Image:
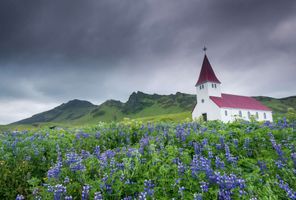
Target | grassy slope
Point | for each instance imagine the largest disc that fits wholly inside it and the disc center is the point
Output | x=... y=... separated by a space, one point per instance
x=140 y=106
x=278 y=106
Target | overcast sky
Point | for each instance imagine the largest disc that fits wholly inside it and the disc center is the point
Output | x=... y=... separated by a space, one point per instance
x=54 y=51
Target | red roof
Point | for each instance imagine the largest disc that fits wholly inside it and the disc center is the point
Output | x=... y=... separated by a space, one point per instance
x=235 y=101
x=207 y=73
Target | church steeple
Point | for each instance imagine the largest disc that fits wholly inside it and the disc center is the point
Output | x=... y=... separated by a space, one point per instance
x=207 y=73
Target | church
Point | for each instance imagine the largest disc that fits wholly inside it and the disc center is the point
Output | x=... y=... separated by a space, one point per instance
x=211 y=104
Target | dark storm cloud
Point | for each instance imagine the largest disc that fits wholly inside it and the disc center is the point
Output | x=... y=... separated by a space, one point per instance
x=53 y=51
x=69 y=28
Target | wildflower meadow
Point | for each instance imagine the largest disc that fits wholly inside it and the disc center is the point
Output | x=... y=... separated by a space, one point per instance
x=132 y=160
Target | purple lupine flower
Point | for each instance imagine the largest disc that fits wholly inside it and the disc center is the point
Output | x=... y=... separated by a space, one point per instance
x=262 y=166
x=82 y=135
x=148 y=187
x=72 y=157
x=75 y=162
x=77 y=167
x=97 y=151
x=110 y=154
x=59 y=191
x=293 y=156
x=55 y=171
x=66 y=180
x=27 y=158
x=181 y=168
x=142 y=196
x=210 y=154
x=103 y=160
x=85 y=154
x=108 y=188
x=219 y=163
x=130 y=152
x=222 y=141
x=120 y=166
x=144 y=141
x=85 y=192
x=205 y=142
x=227 y=184
x=290 y=193
x=181 y=189
x=19 y=197
x=197 y=196
x=68 y=197
x=277 y=147
x=247 y=143
x=181 y=133
x=204 y=186
x=197 y=149
x=98 y=134
x=127 y=198
x=200 y=163
x=219 y=147
x=279 y=164
x=229 y=157
x=235 y=142
x=98 y=196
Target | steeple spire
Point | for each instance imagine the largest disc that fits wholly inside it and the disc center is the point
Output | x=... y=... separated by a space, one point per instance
x=207 y=73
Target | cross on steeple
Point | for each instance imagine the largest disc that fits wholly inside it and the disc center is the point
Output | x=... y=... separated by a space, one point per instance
x=204 y=49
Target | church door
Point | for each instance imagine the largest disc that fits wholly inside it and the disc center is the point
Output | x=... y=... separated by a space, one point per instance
x=204 y=117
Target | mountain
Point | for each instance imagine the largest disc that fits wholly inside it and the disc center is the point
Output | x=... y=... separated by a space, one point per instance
x=139 y=105
x=66 y=112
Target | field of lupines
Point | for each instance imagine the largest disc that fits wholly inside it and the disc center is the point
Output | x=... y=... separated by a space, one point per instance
x=210 y=160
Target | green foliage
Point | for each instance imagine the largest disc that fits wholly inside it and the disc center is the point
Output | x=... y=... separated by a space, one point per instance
x=291 y=114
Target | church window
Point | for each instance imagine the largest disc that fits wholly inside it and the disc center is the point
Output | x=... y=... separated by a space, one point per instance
x=215 y=85
x=249 y=114
x=225 y=112
x=264 y=114
x=257 y=115
x=212 y=85
x=240 y=113
x=202 y=100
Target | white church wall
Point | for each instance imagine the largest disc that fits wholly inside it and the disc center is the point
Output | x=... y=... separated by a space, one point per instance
x=208 y=107
x=214 y=89
x=233 y=114
x=204 y=103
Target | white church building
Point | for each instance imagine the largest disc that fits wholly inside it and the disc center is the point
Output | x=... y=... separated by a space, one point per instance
x=213 y=105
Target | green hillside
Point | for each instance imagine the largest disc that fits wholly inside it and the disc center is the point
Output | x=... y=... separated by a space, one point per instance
x=146 y=107
x=278 y=106
x=66 y=112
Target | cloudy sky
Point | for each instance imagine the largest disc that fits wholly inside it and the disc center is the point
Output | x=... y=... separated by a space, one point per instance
x=54 y=51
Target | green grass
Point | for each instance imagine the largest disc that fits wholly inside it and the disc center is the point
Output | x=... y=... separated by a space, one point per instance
x=176 y=117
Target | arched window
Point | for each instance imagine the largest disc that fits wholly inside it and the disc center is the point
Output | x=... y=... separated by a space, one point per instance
x=225 y=112
x=257 y=115
x=240 y=113
x=264 y=114
x=202 y=100
x=249 y=114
